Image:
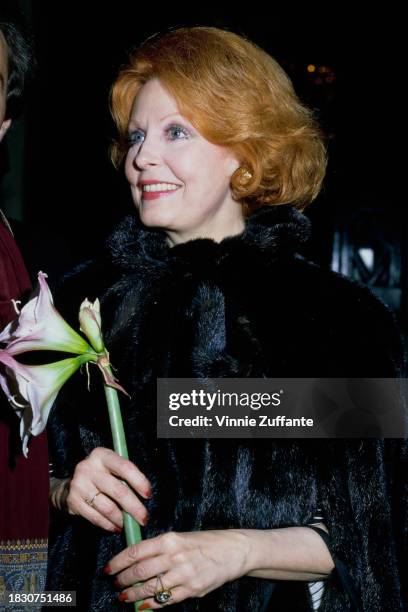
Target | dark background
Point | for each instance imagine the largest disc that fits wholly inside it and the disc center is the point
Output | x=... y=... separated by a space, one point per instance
x=71 y=189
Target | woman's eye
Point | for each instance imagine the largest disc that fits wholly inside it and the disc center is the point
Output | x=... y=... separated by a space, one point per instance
x=135 y=137
x=176 y=132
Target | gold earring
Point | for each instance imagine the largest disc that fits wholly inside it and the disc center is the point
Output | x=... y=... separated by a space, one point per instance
x=246 y=174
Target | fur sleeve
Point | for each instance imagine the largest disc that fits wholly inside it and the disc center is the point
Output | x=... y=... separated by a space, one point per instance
x=364 y=482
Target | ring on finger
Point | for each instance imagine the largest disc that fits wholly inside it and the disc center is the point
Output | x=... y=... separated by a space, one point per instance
x=90 y=500
x=161 y=594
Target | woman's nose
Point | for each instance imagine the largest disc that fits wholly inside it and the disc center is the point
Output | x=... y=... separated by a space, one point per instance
x=147 y=155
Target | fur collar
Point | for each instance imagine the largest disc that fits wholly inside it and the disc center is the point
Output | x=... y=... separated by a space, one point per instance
x=270 y=231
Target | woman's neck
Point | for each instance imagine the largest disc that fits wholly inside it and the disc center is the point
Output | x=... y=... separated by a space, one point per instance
x=215 y=229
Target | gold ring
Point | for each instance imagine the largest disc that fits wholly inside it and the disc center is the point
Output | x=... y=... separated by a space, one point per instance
x=92 y=499
x=161 y=594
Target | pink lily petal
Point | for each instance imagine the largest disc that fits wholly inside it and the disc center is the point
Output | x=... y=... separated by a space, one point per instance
x=32 y=390
x=41 y=327
x=3 y=380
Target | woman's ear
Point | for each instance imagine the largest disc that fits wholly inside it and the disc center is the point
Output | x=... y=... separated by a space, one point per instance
x=4 y=127
x=232 y=165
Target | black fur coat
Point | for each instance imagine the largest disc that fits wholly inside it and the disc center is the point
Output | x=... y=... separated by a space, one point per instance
x=249 y=306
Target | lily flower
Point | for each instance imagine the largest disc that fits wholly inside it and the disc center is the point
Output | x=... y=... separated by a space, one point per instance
x=32 y=390
x=41 y=327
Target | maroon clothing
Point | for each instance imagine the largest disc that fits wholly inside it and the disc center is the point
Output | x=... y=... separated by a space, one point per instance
x=23 y=482
x=24 y=489
x=14 y=279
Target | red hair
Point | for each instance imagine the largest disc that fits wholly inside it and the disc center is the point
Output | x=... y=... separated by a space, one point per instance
x=235 y=95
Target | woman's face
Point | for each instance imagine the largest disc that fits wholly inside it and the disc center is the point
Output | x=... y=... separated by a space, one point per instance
x=180 y=182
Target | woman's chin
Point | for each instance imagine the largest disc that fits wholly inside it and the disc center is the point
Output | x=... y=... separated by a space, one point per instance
x=154 y=218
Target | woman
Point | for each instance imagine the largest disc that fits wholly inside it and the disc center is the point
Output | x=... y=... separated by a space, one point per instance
x=221 y=157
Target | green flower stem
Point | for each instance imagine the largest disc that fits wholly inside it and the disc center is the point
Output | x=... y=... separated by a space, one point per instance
x=132 y=527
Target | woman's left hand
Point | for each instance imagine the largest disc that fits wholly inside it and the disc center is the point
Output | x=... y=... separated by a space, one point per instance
x=192 y=564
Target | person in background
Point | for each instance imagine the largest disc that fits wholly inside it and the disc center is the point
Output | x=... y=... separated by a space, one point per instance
x=23 y=482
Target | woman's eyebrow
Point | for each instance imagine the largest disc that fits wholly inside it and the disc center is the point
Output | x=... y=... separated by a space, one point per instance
x=171 y=115
x=133 y=123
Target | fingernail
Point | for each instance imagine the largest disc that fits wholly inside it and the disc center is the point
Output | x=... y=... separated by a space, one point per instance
x=107 y=569
x=122 y=597
x=118 y=530
x=116 y=584
x=146 y=519
x=145 y=606
x=149 y=495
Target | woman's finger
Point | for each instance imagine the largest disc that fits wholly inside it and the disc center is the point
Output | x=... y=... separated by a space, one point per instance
x=93 y=475
x=146 y=593
x=177 y=594
x=108 y=509
x=120 y=493
x=136 y=552
x=78 y=506
x=124 y=469
x=142 y=571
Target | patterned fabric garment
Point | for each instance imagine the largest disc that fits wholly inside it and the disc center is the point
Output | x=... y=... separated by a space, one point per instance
x=22 y=569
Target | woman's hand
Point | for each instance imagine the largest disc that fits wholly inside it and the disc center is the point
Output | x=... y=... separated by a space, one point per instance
x=193 y=564
x=97 y=479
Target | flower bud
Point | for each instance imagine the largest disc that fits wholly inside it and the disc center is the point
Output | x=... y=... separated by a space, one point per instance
x=90 y=322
